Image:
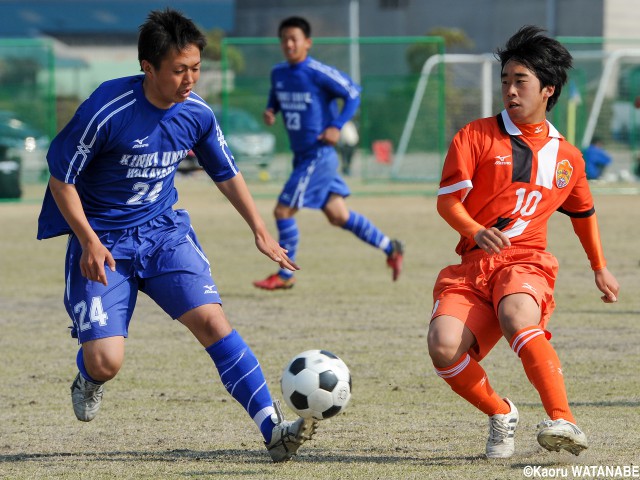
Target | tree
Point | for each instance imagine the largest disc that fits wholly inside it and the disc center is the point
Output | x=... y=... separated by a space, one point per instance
x=454 y=38
x=213 y=51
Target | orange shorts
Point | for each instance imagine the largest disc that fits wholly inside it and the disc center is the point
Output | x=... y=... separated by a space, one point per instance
x=472 y=290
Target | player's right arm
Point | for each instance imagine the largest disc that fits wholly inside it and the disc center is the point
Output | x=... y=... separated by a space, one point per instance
x=237 y=192
x=94 y=254
x=269 y=115
x=452 y=210
x=455 y=184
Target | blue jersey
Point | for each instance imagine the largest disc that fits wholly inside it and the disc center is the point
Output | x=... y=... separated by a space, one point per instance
x=306 y=93
x=122 y=153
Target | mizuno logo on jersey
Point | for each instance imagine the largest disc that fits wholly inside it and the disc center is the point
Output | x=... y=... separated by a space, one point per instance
x=538 y=129
x=209 y=289
x=502 y=160
x=529 y=287
x=139 y=143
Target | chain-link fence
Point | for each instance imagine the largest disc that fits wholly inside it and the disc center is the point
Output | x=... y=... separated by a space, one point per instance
x=388 y=69
x=414 y=99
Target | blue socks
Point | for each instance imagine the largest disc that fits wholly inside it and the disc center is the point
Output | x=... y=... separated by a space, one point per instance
x=289 y=238
x=366 y=231
x=359 y=225
x=242 y=376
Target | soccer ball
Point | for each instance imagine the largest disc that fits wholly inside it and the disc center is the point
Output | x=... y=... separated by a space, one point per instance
x=317 y=384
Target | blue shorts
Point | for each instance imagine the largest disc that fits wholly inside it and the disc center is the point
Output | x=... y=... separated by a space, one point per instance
x=161 y=258
x=314 y=178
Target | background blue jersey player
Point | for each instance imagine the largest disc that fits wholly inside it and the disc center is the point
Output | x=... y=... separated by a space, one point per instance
x=112 y=190
x=306 y=92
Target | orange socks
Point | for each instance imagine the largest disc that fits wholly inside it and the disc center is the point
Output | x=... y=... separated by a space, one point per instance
x=541 y=364
x=543 y=369
x=468 y=379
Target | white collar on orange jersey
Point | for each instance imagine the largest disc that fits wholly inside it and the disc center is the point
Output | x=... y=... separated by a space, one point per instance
x=513 y=130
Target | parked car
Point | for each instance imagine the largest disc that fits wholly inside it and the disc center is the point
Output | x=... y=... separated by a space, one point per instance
x=248 y=140
x=18 y=135
x=246 y=136
x=22 y=154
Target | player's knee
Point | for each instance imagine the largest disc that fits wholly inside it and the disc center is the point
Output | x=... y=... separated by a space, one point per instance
x=336 y=217
x=281 y=212
x=444 y=349
x=103 y=368
x=103 y=358
x=336 y=221
x=207 y=323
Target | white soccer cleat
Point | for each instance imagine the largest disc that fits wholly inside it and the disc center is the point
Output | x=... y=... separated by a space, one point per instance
x=502 y=429
x=287 y=437
x=86 y=397
x=556 y=435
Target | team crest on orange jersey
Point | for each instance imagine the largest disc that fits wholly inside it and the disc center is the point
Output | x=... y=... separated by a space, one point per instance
x=563 y=173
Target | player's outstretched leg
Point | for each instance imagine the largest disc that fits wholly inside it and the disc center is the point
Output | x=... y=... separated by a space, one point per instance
x=556 y=435
x=86 y=398
x=242 y=376
x=366 y=231
x=289 y=236
x=287 y=436
x=469 y=380
x=544 y=371
x=502 y=429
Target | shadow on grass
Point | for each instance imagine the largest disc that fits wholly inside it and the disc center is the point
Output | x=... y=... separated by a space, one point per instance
x=603 y=311
x=602 y=403
x=234 y=456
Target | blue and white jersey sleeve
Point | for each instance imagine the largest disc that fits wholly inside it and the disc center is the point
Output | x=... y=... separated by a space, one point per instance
x=122 y=154
x=211 y=148
x=338 y=85
x=272 y=100
x=306 y=93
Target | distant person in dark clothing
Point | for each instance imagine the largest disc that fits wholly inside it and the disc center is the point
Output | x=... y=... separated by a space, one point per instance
x=596 y=159
x=347 y=145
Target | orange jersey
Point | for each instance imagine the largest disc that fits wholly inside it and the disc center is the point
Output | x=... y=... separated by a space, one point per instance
x=512 y=182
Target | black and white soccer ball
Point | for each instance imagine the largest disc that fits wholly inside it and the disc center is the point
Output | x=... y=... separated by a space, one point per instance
x=317 y=384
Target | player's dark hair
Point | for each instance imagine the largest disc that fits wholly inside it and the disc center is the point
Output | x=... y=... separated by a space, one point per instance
x=547 y=58
x=167 y=30
x=295 y=22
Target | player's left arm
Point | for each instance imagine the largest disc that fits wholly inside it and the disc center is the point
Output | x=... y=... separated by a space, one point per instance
x=586 y=229
x=579 y=207
x=340 y=86
x=237 y=192
x=350 y=105
x=607 y=284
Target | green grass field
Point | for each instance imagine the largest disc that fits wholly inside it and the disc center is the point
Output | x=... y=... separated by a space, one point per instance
x=166 y=415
